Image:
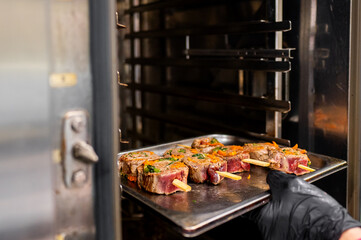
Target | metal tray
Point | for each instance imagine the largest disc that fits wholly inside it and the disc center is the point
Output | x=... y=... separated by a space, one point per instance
x=208 y=206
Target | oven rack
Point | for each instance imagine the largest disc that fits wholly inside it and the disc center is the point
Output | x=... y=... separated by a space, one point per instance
x=198 y=123
x=263 y=104
x=180 y=4
x=163 y=44
x=230 y=28
x=252 y=65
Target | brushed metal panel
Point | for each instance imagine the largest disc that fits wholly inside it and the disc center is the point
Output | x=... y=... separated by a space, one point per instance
x=69 y=24
x=106 y=117
x=26 y=199
x=354 y=113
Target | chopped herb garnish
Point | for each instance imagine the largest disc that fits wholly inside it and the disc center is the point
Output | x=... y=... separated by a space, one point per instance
x=199 y=156
x=170 y=152
x=219 y=149
x=182 y=150
x=214 y=141
x=194 y=201
x=124 y=175
x=168 y=159
x=151 y=169
x=309 y=163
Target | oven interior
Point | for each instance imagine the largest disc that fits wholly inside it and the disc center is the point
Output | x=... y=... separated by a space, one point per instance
x=199 y=68
x=253 y=68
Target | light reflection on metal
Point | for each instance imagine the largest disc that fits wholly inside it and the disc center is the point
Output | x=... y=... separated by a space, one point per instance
x=59 y=80
x=120 y=137
x=354 y=113
x=187 y=46
x=119 y=26
x=278 y=75
x=120 y=83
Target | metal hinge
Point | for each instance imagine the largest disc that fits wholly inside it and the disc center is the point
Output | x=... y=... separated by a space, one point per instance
x=77 y=153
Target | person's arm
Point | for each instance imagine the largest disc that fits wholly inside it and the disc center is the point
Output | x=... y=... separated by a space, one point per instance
x=351 y=234
x=299 y=210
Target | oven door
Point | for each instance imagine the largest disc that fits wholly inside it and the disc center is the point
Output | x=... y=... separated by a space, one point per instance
x=57 y=94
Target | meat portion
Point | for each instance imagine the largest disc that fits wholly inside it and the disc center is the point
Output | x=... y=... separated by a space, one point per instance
x=283 y=159
x=203 y=167
x=233 y=155
x=179 y=153
x=288 y=160
x=156 y=176
x=129 y=162
x=260 y=151
x=205 y=145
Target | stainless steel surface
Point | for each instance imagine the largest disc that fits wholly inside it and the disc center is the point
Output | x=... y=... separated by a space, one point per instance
x=45 y=72
x=320 y=85
x=324 y=65
x=69 y=49
x=104 y=61
x=274 y=119
x=27 y=200
x=354 y=113
x=278 y=75
x=308 y=30
x=208 y=206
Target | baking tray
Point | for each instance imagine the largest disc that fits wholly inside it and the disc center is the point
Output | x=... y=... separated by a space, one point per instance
x=208 y=206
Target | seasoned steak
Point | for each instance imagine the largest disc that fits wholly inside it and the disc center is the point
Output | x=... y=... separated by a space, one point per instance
x=206 y=145
x=283 y=159
x=179 y=153
x=233 y=155
x=156 y=176
x=260 y=151
x=203 y=167
x=129 y=162
x=288 y=159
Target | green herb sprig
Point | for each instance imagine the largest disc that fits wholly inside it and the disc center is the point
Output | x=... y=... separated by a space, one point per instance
x=151 y=169
x=199 y=156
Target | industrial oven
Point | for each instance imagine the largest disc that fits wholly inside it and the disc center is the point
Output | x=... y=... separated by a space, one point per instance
x=82 y=81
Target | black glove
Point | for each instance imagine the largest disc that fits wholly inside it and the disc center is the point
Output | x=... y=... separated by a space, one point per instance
x=299 y=210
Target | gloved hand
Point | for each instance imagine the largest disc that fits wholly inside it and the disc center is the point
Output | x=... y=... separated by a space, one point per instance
x=299 y=210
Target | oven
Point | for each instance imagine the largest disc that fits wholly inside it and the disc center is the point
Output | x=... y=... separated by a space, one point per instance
x=84 y=80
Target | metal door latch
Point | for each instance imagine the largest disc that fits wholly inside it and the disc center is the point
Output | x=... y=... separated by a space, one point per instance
x=85 y=152
x=77 y=153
